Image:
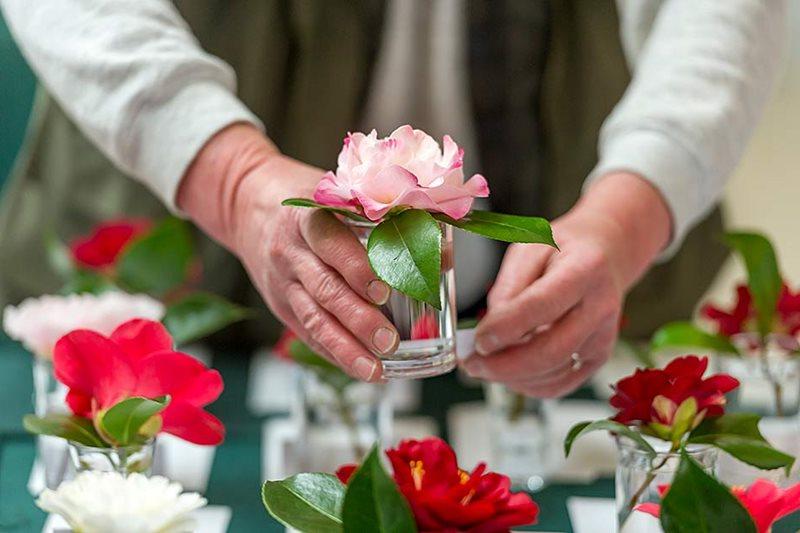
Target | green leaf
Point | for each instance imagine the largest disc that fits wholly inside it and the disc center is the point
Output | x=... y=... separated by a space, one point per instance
x=740 y=424
x=373 y=502
x=304 y=202
x=738 y=435
x=324 y=369
x=582 y=428
x=698 y=503
x=687 y=335
x=506 y=228
x=70 y=427
x=405 y=251
x=200 y=314
x=158 y=261
x=309 y=503
x=123 y=420
x=763 y=274
x=86 y=281
x=58 y=255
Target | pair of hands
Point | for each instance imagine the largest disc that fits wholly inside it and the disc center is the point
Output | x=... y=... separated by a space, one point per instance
x=314 y=275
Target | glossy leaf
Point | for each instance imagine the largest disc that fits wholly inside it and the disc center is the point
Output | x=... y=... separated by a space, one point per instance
x=502 y=227
x=159 y=261
x=70 y=427
x=122 y=421
x=373 y=502
x=738 y=435
x=582 y=428
x=86 y=281
x=309 y=503
x=698 y=503
x=304 y=202
x=324 y=369
x=405 y=251
x=763 y=274
x=687 y=335
x=200 y=314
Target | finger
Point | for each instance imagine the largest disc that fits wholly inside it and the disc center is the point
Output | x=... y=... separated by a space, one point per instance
x=318 y=324
x=522 y=264
x=543 y=302
x=340 y=249
x=593 y=354
x=569 y=381
x=364 y=320
x=546 y=351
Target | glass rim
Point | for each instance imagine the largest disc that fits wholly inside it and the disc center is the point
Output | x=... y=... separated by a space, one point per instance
x=103 y=449
x=629 y=444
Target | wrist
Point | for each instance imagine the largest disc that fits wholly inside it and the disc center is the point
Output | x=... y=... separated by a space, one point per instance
x=638 y=222
x=210 y=187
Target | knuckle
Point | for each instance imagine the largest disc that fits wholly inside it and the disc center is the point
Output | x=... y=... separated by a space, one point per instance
x=329 y=289
x=312 y=321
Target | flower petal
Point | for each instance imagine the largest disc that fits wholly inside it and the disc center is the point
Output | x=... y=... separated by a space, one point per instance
x=181 y=376
x=93 y=365
x=193 y=424
x=139 y=338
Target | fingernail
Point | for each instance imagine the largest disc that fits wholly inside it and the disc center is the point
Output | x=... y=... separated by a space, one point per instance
x=378 y=291
x=486 y=344
x=364 y=367
x=384 y=340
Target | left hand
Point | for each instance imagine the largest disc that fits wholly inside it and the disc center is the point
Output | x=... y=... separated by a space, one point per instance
x=547 y=305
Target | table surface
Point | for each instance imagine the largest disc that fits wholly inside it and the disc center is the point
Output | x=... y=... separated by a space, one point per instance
x=236 y=474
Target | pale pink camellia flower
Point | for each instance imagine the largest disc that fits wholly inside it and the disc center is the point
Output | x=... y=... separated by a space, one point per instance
x=406 y=169
x=39 y=322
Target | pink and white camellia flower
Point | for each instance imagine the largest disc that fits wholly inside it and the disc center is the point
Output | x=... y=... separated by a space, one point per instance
x=405 y=169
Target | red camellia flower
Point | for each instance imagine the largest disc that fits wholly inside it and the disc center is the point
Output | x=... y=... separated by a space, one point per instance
x=653 y=395
x=101 y=248
x=426 y=327
x=138 y=360
x=764 y=500
x=741 y=317
x=444 y=498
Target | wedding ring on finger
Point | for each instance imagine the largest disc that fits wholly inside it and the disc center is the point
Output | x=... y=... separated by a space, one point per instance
x=577 y=362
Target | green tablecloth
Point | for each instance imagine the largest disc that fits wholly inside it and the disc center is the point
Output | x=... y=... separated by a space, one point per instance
x=236 y=474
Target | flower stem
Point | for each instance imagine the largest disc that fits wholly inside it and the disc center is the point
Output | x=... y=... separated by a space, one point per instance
x=651 y=475
x=776 y=385
x=517 y=407
x=346 y=414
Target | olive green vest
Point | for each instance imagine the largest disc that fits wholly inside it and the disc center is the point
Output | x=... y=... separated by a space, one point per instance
x=304 y=67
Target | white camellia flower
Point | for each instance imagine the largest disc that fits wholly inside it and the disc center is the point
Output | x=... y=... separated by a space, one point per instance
x=107 y=502
x=39 y=322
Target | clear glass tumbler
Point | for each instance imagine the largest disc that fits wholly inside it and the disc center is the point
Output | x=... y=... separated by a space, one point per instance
x=49 y=398
x=638 y=477
x=520 y=436
x=340 y=420
x=136 y=458
x=427 y=335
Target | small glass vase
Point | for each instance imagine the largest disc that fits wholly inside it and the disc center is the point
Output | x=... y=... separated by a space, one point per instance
x=49 y=397
x=520 y=436
x=638 y=478
x=427 y=335
x=769 y=385
x=135 y=458
x=339 y=424
x=768 y=374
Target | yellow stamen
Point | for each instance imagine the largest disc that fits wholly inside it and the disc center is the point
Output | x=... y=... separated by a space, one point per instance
x=417 y=473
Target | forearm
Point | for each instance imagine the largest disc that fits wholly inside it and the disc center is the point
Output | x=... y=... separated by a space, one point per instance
x=132 y=77
x=698 y=88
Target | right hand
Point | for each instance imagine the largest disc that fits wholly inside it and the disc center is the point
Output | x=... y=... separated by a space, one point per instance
x=310 y=268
